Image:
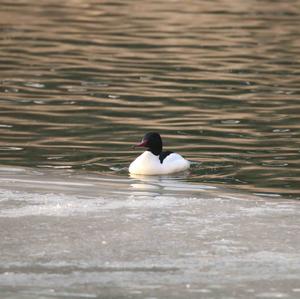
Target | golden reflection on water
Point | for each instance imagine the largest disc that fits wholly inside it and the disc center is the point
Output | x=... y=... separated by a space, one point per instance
x=82 y=81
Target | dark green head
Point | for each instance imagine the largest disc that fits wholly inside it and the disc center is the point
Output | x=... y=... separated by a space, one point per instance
x=152 y=141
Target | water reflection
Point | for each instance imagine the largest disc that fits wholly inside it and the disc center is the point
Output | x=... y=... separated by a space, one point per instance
x=170 y=185
x=82 y=81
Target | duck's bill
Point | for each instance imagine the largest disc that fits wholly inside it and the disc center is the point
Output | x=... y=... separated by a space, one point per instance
x=141 y=144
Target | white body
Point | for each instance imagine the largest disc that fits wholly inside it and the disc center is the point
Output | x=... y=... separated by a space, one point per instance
x=149 y=164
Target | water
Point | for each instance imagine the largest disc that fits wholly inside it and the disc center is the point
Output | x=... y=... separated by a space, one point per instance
x=81 y=81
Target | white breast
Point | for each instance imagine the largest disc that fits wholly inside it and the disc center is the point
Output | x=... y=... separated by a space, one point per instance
x=149 y=164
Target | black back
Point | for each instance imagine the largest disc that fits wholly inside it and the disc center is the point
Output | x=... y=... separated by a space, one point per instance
x=163 y=155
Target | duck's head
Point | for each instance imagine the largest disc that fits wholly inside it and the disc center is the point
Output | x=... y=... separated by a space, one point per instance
x=152 y=141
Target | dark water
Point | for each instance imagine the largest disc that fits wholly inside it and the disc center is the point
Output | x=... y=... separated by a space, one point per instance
x=83 y=80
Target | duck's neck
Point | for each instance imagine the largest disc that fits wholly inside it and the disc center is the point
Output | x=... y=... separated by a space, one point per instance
x=155 y=151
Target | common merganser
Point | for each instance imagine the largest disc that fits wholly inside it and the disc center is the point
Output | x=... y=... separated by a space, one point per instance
x=154 y=161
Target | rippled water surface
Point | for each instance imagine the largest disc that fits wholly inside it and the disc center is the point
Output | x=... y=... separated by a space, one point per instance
x=81 y=81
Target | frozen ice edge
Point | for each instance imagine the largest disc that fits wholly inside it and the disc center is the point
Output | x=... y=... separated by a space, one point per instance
x=143 y=238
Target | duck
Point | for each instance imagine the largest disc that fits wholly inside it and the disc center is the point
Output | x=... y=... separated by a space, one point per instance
x=155 y=161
